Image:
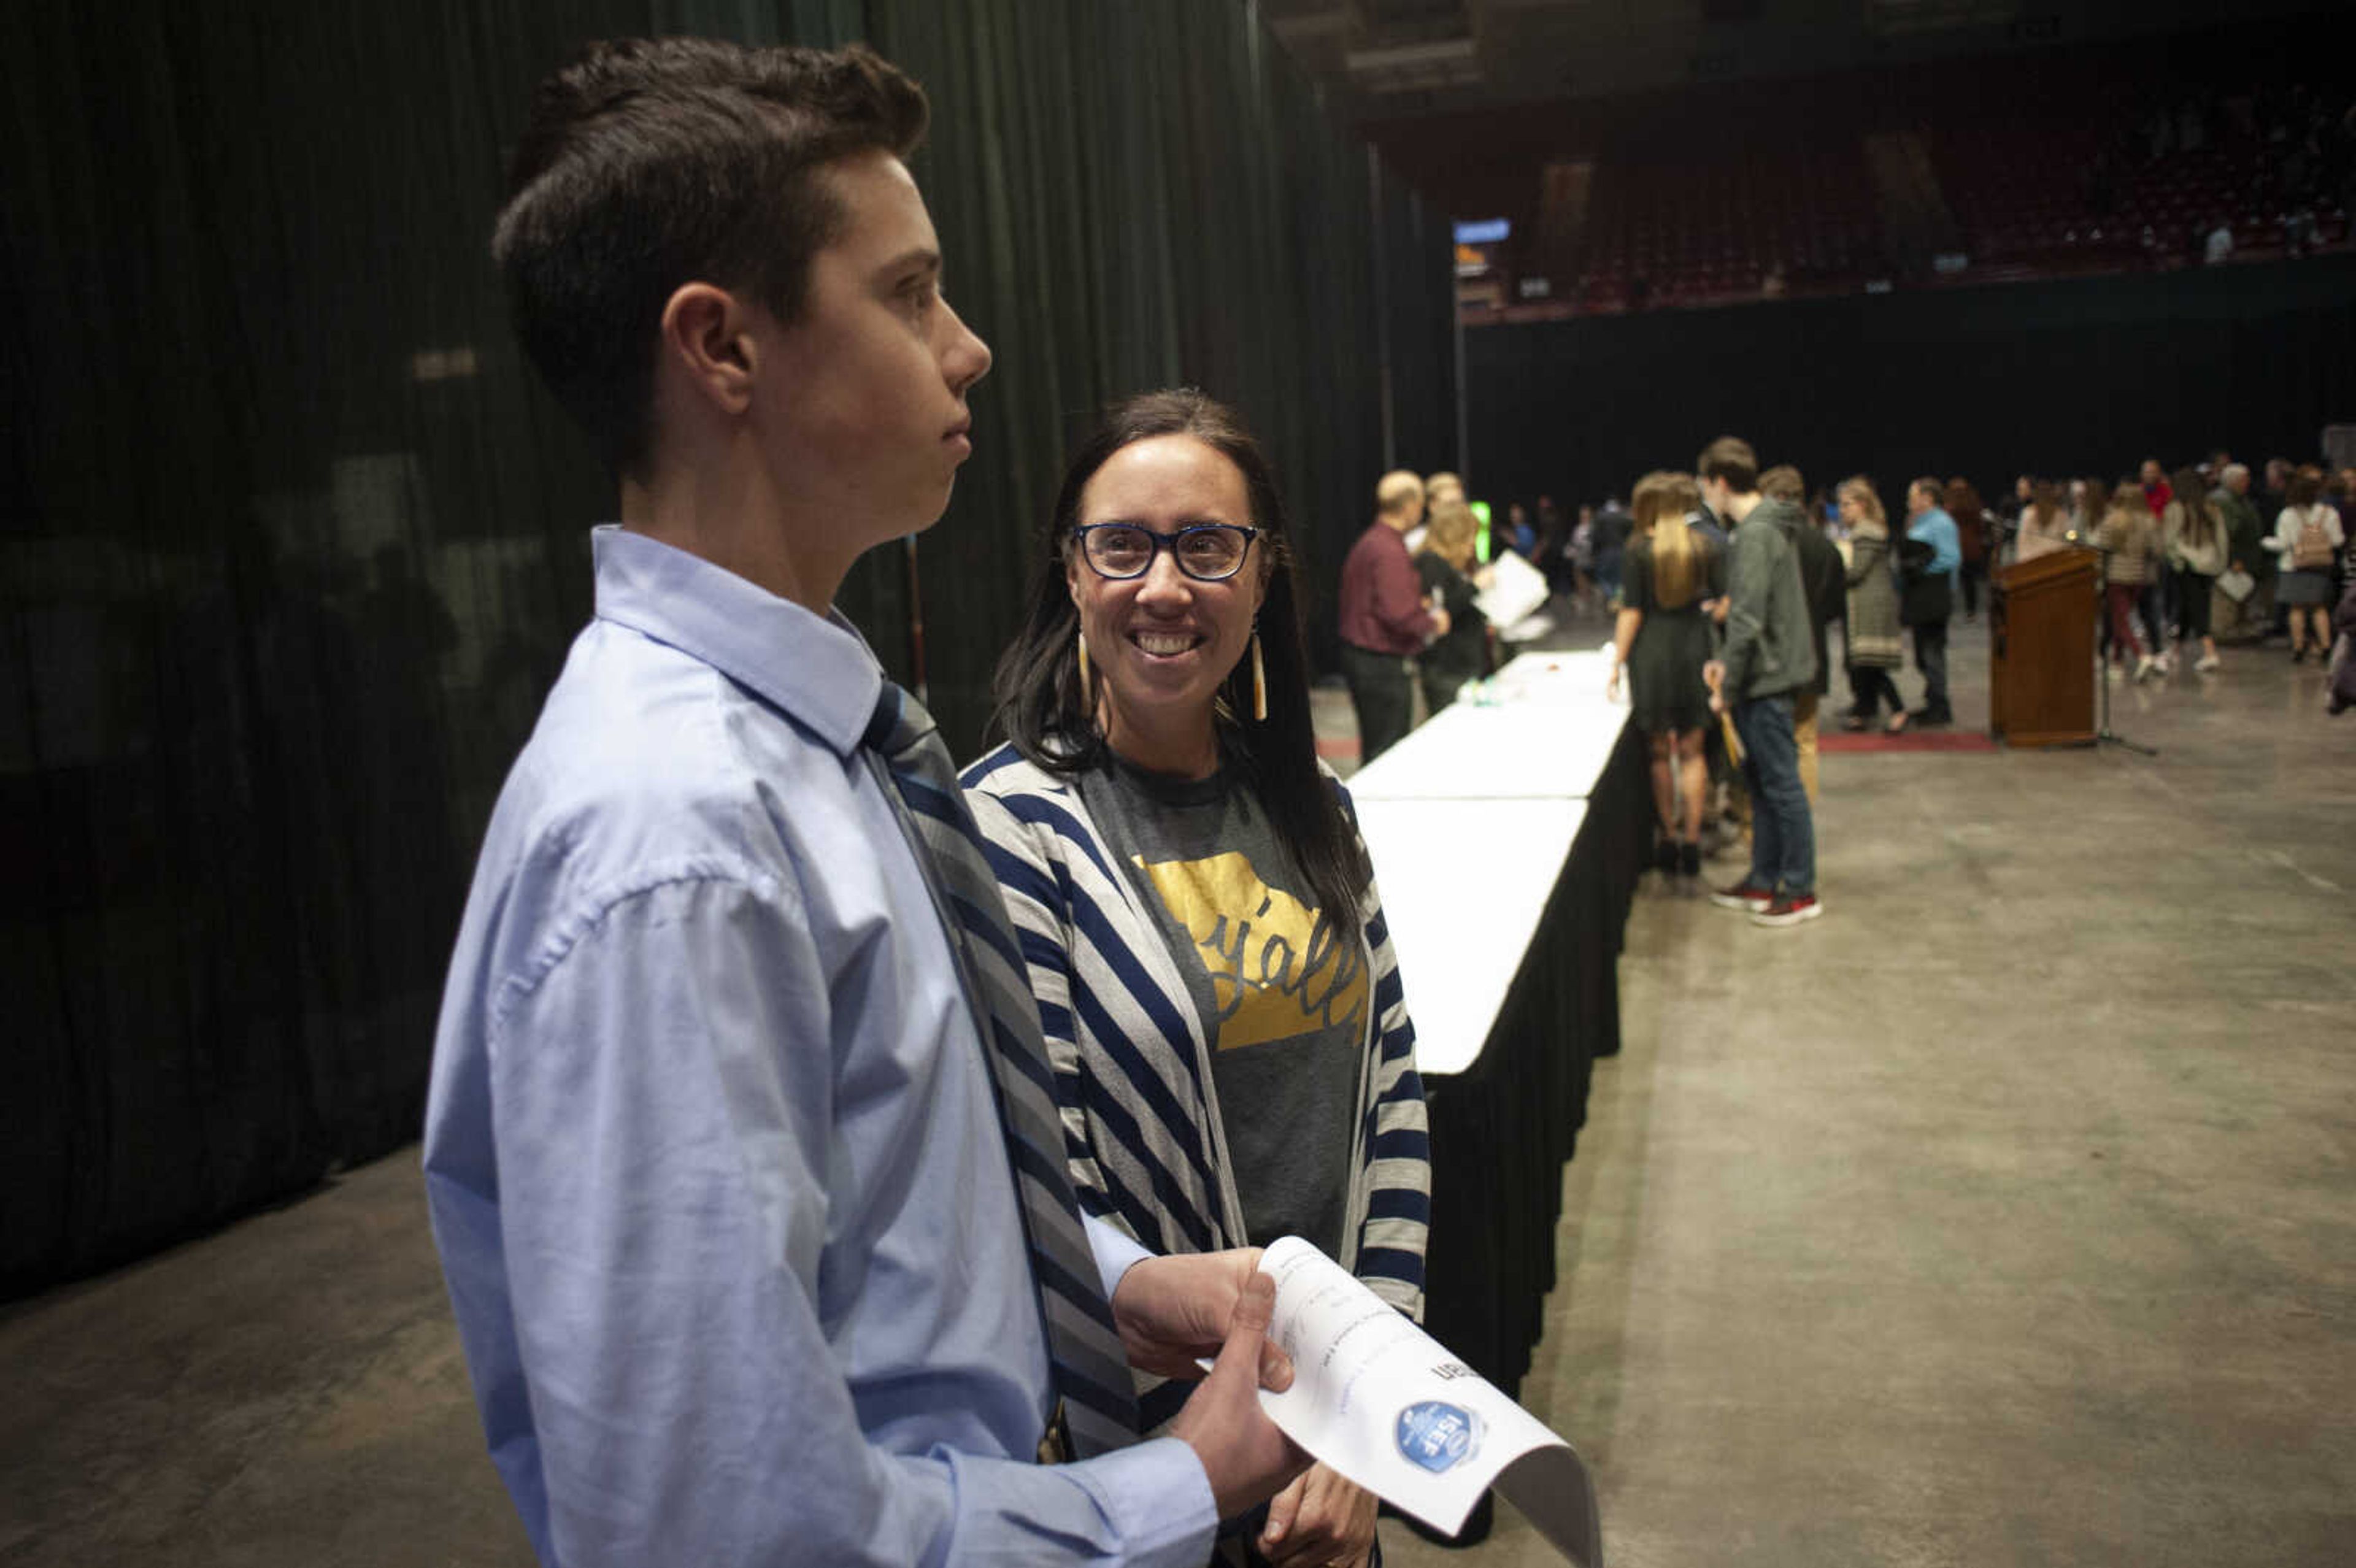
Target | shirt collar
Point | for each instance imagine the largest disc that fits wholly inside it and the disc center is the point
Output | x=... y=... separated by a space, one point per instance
x=817 y=670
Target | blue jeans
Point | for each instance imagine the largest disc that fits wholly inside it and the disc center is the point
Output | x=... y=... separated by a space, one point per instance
x=1783 y=834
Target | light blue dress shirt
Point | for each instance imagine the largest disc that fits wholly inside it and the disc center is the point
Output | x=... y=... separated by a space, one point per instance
x=712 y=1154
x=1937 y=528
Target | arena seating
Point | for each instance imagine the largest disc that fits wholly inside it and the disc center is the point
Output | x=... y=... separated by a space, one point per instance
x=1925 y=175
x=1681 y=224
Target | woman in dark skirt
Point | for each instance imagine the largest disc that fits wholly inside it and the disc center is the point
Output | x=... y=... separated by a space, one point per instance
x=2309 y=536
x=1670 y=574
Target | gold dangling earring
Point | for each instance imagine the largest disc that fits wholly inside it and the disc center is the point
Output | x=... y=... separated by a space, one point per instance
x=1259 y=681
x=1087 y=692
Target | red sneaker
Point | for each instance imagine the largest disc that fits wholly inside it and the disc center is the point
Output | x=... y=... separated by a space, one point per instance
x=1743 y=895
x=1788 y=911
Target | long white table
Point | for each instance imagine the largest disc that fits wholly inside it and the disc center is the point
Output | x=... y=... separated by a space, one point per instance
x=1470 y=822
x=1507 y=837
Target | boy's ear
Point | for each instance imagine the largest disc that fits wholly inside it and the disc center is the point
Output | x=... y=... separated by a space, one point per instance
x=707 y=343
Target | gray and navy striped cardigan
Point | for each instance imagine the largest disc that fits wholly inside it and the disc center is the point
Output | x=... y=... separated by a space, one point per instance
x=1133 y=1071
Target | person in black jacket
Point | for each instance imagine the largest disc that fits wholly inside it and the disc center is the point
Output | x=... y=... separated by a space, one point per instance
x=1451 y=579
x=1823 y=577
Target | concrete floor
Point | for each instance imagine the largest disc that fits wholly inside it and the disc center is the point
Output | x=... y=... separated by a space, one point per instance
x=2001 y=1217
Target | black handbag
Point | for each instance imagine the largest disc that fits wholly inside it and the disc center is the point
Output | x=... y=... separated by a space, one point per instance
x=1925 y=597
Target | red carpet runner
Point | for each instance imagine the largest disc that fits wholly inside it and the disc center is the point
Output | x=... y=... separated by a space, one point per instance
x=1912 y=741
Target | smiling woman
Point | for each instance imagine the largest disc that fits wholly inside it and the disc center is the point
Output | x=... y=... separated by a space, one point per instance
x=1197 y=915
x=1164 y=634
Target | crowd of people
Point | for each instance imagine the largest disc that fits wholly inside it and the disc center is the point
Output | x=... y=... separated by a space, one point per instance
x=2200 y=557
x=1726 y=658
x=2188 y=559
x=2205 y=556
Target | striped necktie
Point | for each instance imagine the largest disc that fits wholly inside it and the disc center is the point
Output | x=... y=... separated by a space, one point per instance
x=1091 y=1370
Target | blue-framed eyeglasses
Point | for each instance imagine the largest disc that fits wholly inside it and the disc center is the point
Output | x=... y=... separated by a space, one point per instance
x=1207 y=552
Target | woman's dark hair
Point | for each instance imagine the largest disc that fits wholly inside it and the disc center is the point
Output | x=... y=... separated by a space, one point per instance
x=1963 y=501
x=2045 y=504
x=649 y=164
x=2199 y=517
x=2305 y=486
x=1037 y=684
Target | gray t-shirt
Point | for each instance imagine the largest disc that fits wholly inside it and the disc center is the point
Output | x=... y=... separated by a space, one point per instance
x=1283 y=994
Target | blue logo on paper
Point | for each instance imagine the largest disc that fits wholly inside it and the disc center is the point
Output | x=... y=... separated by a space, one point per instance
x=1438 y=1437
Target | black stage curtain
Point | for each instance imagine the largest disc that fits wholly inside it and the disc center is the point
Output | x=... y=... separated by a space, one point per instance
x=1502 y=1131
x=294 y=544
x=2087 y=376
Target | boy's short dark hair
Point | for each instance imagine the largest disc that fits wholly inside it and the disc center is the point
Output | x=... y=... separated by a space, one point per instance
x=1730 y=458
x=1783 y=483
x=649 y=164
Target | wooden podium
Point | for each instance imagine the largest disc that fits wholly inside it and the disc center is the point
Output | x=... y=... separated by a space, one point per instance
x=2041 y=650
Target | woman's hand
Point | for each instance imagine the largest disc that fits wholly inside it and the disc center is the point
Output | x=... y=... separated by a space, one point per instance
x=1321 y=1518
x=1612 y=687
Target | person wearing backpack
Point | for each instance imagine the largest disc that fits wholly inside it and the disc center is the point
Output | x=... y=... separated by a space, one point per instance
x=2306 y=539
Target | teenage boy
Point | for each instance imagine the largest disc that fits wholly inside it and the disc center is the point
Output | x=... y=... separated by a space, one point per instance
x=1824 y=578
x=1769 y=655
x=726 y=1146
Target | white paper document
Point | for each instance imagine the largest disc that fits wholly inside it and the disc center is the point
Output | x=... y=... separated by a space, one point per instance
x=1516 y=589
x=1380 y=1401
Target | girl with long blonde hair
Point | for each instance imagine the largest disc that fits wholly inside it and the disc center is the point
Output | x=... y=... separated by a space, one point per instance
x=1447 y=568
x=1663 y=639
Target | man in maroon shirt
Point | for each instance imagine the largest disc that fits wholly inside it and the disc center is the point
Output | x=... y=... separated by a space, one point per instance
x=1383 y=618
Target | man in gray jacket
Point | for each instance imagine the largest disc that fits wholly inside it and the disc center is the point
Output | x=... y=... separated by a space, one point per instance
x=1824 y=578
x=2243 y=620
x=1769 y=655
